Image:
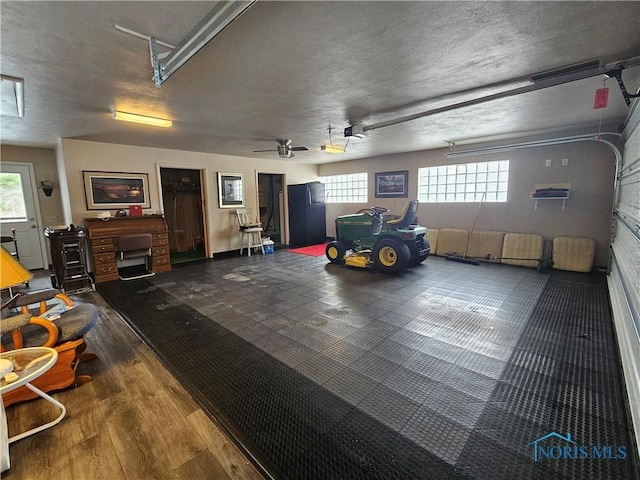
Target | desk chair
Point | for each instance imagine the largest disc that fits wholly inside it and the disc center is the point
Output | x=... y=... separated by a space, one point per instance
x=135 y=246
x=251 y=230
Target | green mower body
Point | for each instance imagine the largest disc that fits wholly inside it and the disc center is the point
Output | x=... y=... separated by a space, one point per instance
x=368 y=239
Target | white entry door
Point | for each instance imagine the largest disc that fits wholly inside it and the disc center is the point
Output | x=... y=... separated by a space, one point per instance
x=18 y=210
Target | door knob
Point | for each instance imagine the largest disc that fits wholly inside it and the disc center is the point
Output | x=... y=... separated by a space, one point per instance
x=33 y=226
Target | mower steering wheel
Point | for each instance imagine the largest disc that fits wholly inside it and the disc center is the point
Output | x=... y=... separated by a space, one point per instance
x=373 y=211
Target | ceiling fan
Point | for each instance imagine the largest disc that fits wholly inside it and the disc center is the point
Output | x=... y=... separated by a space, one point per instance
x=285 y=150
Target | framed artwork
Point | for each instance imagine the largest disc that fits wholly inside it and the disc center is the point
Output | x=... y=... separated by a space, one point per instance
x=392 y=184
x=231 y=190
x=114 y=190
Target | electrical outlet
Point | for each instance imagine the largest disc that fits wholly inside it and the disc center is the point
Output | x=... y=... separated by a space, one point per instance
x=565 y=162
x=548 y=162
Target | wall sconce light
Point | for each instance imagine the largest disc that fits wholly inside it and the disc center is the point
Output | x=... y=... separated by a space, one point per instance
x=47 y=187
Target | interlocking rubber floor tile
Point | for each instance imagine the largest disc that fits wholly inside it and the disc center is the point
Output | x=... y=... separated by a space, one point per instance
x=437 y=434
x=389 y=407
x=442 y=372
x=411 y=384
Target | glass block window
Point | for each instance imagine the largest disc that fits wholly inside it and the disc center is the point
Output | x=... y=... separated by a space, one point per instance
x=466 y=182
x=347 y=188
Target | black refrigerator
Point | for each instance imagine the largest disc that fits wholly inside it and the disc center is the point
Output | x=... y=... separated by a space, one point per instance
x=307 y=214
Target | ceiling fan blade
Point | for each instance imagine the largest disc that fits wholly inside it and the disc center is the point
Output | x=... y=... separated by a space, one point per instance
x=299 y=149
x=256 y=151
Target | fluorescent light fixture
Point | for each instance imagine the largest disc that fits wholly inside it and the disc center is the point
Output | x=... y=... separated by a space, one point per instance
x=143 y=119
x=11 y=96
x=332 y=149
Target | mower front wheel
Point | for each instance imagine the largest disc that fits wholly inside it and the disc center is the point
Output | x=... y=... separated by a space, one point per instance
x=391 y=255
x=335 y=252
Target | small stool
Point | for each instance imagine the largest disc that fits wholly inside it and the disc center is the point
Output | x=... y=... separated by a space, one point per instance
x=252 y=238
x=251 y=230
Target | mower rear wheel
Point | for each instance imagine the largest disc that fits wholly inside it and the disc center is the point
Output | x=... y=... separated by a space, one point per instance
x=391 y=255
x=335 y=252
x=418 y=259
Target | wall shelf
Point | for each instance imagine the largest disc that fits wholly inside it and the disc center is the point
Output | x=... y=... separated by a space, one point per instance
x=564 y=199
x=550 y=191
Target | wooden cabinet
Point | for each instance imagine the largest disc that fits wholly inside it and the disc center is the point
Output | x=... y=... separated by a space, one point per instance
x=103 y=236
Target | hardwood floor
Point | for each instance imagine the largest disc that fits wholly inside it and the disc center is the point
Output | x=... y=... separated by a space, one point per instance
x=133 y=421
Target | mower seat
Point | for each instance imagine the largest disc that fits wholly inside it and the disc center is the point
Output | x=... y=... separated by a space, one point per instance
x=407 y=217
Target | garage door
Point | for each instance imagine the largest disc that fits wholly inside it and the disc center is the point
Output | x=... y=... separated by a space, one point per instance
x=624 y=280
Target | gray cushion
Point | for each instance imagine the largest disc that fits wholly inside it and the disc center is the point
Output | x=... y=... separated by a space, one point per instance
x=76 y=322
x=16 y=321
x=72 y=325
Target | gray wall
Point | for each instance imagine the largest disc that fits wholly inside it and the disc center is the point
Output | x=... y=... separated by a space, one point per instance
x=590 y=171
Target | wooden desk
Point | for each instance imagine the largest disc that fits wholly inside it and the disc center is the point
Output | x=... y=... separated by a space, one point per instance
x=103 y=239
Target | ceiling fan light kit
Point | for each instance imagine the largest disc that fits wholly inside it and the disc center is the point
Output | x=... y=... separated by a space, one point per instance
x=285 y=150
x=142 y=119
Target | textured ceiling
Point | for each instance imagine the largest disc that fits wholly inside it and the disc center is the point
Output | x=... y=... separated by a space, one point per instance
x=291 y=69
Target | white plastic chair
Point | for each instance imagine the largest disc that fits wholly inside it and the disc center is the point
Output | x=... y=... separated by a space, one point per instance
x=251 y=230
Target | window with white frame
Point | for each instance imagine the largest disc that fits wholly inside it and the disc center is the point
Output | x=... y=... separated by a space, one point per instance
x=465 y=182
x=347 y=188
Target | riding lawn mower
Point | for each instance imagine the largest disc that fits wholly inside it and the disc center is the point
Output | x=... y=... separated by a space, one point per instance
x=368 y=239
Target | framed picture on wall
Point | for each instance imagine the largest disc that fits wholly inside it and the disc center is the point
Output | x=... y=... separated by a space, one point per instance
x=231 y=190
x=392 y=184
x=114 y=190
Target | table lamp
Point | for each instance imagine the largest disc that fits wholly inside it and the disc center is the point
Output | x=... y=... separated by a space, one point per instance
x=12 y=273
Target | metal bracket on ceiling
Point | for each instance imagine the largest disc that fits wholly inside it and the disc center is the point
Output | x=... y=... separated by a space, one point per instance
x=452 y=148
x=617 y=74
x=211 y=25
x=148 y=39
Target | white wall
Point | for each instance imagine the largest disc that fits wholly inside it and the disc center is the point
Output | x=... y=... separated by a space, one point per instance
x=222 y=229
x=44 y=167
x=590 y=171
